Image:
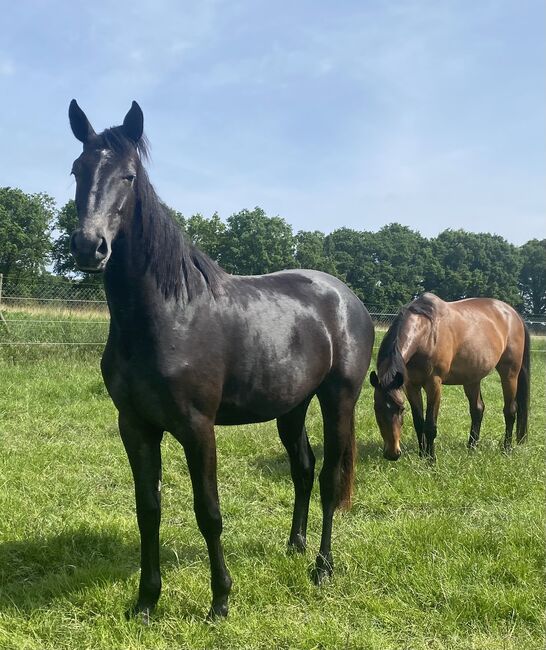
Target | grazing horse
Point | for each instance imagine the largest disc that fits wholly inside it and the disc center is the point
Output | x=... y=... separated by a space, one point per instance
x=432 y=342
x=191 y=346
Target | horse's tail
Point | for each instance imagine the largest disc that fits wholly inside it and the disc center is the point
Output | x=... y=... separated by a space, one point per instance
x=523 y=391
x=347 y=474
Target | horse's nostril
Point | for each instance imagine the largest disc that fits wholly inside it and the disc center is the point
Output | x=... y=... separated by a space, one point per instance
x=102 y=249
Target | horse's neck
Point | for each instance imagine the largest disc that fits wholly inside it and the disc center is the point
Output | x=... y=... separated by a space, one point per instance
x=411 y=335
x=127 y=282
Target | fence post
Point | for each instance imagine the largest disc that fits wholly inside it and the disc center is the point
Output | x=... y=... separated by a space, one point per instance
x=1 y=314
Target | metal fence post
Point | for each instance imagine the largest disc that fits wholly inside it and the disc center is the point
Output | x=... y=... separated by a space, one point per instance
x=1 y=314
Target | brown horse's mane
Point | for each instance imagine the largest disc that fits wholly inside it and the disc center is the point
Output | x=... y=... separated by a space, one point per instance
x=389 y=358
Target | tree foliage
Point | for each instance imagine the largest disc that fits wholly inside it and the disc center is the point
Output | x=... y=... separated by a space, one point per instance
x=255 y=243
x=471 y=264
x=386 y=269
x=532 y=277
x=25 y=243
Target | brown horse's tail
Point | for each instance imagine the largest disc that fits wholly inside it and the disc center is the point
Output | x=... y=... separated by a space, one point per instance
x=347 y=470
x=523 y=391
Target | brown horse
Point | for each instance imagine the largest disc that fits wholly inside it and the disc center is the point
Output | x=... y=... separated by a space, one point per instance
x=432 y=342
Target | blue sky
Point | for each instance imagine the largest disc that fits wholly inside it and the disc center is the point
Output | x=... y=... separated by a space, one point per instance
x=353 y=113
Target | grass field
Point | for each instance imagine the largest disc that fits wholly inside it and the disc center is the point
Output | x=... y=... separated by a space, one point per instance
x=449 y=556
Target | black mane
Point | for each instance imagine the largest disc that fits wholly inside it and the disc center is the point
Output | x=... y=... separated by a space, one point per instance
x=180 y=268
x=389 y=358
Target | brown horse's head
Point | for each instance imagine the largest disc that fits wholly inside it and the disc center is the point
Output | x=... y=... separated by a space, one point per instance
x=389 y=412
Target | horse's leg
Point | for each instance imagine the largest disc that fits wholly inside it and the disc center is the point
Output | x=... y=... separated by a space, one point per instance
x=336 y=476
x=197 y=438
x=433 y=390
x=143 y=447
x=415 y=398
x=509 y=382
x=477 y=407
x=302 y=467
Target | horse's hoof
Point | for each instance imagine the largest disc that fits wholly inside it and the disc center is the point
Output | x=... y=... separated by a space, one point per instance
x=142 y=613
x=217 y=612
x=322 y=571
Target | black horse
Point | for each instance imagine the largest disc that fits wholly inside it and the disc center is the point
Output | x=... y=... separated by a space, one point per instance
x=190 y=346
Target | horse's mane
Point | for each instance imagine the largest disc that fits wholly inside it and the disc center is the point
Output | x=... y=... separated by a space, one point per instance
x=179 y=267
x=389 y=357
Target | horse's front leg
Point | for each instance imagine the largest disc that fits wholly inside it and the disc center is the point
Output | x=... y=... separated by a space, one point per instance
x=433 y=390
x=143 y=446
x=415 y=398
x=197 y=437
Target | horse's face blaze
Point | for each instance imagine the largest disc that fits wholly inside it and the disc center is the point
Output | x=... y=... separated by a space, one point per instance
x=389 y=413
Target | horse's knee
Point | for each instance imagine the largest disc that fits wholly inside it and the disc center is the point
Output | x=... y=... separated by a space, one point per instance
x=209 y=518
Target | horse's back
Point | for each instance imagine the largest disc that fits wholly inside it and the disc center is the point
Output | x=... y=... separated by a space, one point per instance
x=478 y=334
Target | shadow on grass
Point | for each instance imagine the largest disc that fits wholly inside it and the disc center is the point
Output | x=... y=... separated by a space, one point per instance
x=278 y=467
x=34 y=572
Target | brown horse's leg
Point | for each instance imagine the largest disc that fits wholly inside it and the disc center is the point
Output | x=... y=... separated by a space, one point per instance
x=509 y=382
x=302 y=467
x=197 y=438
x=415 y=398
x=433 y=390
x=477 y=407
x=336 y=478
x=143 y=447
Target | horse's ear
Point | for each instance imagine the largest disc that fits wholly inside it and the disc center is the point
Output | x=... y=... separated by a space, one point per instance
x=79 y=123
x=374 y=379
x=398 y=381
x=133 y=124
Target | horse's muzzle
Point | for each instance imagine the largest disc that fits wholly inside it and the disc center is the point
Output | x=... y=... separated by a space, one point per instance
x=391 y=455
x=90 y=250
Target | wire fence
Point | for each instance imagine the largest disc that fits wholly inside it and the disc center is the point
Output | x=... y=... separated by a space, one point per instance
x=76 y=314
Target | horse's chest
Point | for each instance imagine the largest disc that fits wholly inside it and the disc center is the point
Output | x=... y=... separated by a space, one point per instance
x=136 y=387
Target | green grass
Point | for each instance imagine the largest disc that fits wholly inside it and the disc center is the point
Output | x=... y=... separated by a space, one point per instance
x=450 y=556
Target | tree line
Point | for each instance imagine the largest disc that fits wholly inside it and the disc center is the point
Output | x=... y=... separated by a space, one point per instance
x=386 y=269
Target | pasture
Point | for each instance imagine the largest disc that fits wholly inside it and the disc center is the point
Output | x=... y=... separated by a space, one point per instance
x=429 y=557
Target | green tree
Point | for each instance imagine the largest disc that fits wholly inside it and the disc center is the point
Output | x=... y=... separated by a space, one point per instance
x=65 y=224
x=25 y=221
x=472 y=264
x=350 y=252
x=532 y=278
x=254 y=243
x=403 y=259
x=207 y=234
x=310 y=251
x=385 y=269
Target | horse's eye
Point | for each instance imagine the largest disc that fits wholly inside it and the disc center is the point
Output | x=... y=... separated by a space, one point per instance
x=129 y=177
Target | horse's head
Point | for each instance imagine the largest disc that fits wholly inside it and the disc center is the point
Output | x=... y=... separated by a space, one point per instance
x=389 y=412
x=106 y=174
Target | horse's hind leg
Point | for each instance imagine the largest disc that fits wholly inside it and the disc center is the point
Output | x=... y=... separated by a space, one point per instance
x=293 y=435
x=336 y=476
x=143 y=447
x=509 y=382
x=197 y=438
x=477 y=407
